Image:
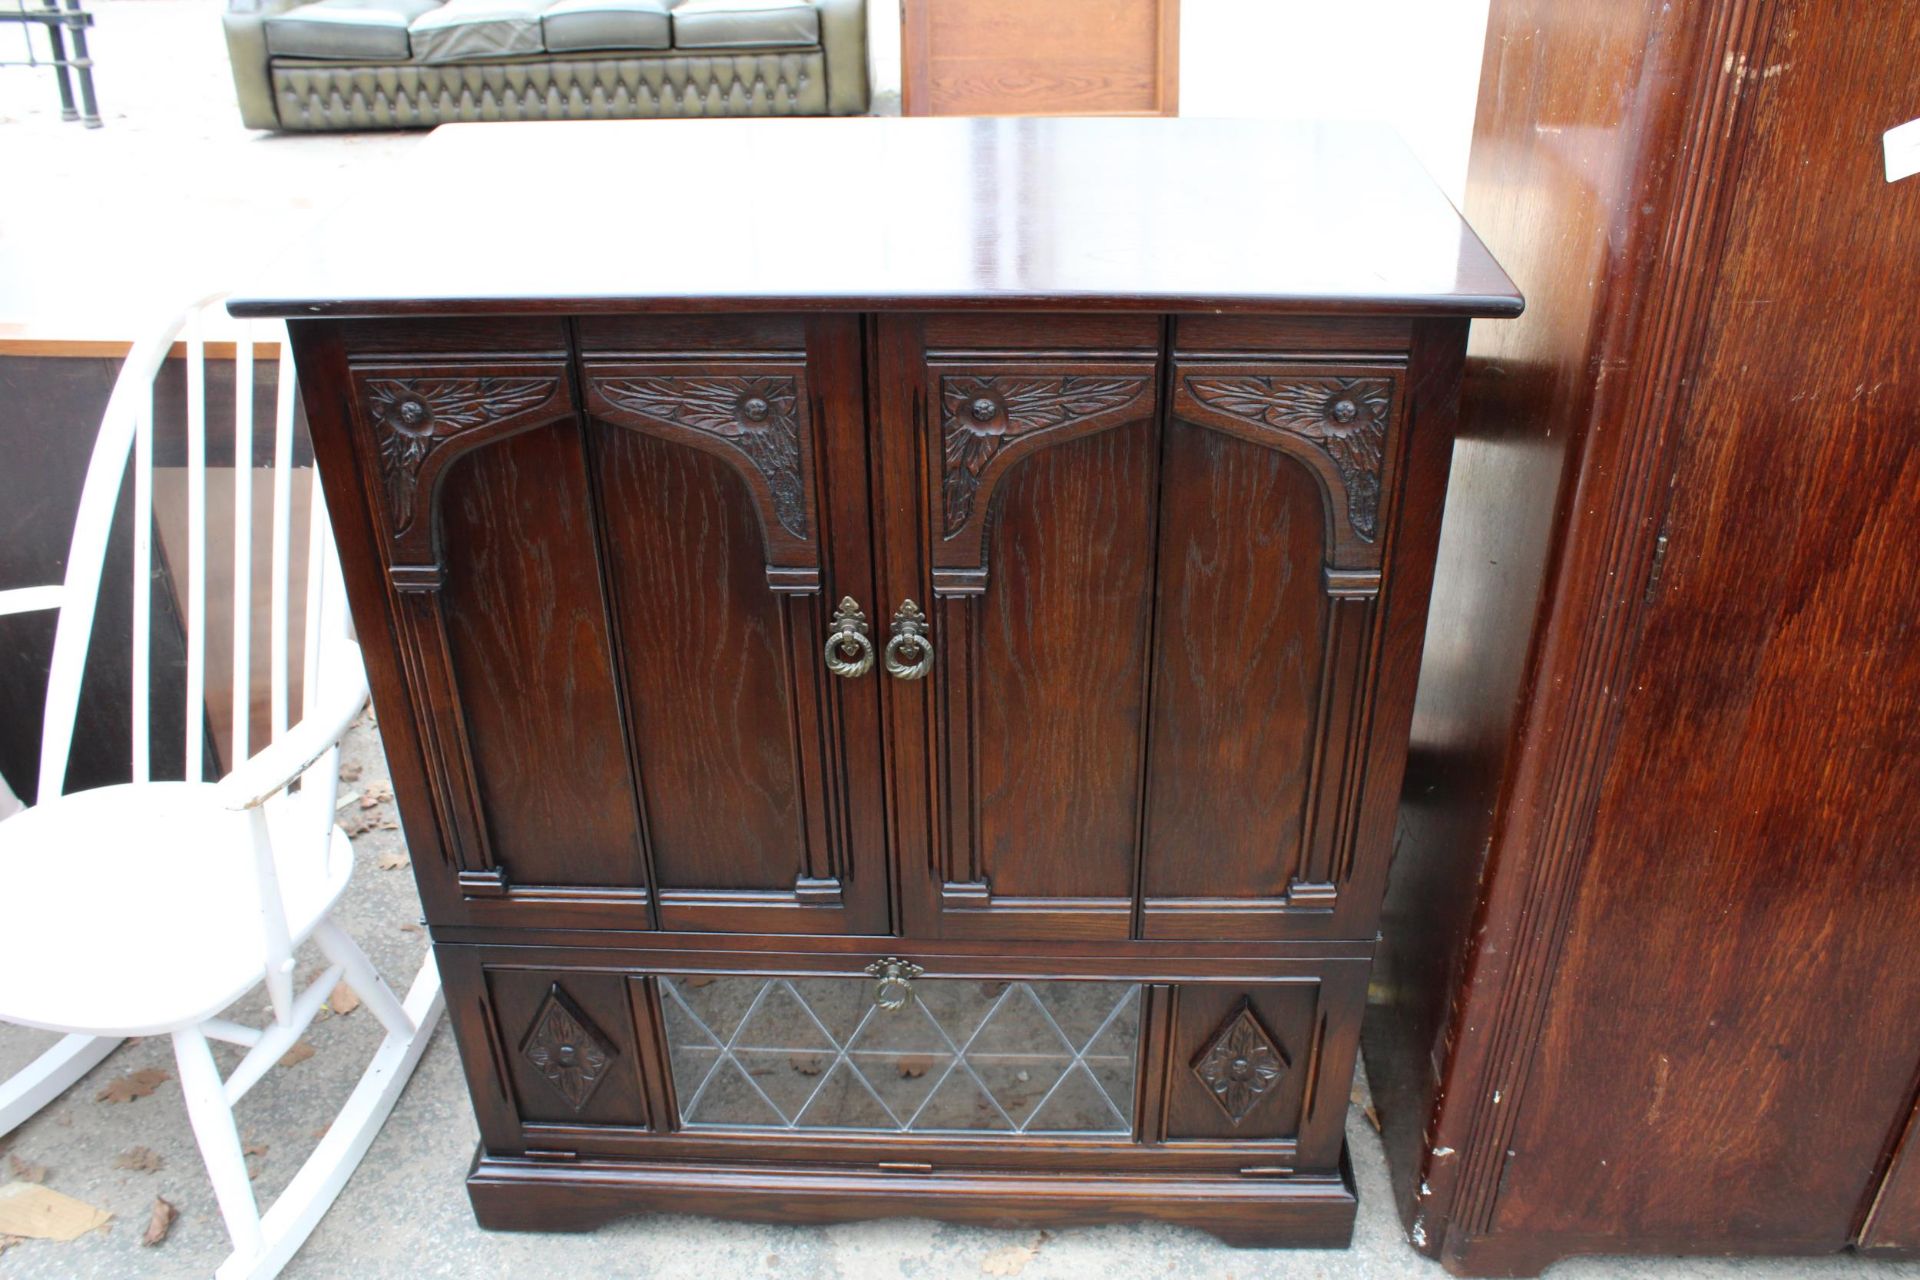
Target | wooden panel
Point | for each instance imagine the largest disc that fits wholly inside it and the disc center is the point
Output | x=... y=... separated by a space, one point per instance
x=1894 y=1224
x=1683 y=1017
x=1262 y=1064
x=527 y=641
x=1237 y=667
x=1070 y=57
x=704 y=657
x=566 y=1042
x=1061 y=661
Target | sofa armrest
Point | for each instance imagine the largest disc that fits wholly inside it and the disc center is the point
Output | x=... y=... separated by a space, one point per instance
x=843 y=39
x=245 y=22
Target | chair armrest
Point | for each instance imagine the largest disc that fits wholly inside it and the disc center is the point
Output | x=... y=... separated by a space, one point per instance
x=268 y=771
x=30 y=599
x=245 y=23
x=843 y=41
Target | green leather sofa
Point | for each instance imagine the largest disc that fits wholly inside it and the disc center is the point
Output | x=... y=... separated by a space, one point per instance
x=406 y=64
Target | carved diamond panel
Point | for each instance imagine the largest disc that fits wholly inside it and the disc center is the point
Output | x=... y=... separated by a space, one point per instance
x=1241 y=1064
x=563 y=1046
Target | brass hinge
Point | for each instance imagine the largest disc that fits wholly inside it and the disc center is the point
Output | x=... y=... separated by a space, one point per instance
x=1267 y=1171
x=540 y=1153
x=904 y=1166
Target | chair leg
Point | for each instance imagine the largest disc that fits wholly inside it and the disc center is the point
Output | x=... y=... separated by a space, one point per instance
x=48 y=1076
x=219 y=1139
x=340 y=948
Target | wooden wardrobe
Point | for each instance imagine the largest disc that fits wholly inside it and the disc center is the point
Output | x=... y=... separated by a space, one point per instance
x=1648 y=978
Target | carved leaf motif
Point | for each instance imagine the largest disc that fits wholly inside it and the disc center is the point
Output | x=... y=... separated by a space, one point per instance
x=759 y=416
x=414 y=416
x=1241 y=1064
x=566 y=1050
x=1346 y=417
x=981 y=416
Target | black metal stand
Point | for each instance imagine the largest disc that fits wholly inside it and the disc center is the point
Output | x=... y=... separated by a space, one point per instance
x=62 y=20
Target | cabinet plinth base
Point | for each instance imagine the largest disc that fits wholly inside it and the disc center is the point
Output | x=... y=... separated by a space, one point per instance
x=512 y=1194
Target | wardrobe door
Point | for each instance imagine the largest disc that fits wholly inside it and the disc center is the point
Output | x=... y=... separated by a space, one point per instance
x=613 y=550
x=729 y=469
x=1019 y=465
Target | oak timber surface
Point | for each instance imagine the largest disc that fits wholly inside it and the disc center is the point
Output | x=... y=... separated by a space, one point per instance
x=756 y=214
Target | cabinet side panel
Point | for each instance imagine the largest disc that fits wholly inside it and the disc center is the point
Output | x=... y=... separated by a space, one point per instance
x=704 y=653
x=526 y=634
x=1062 y=647
x=1237 y=667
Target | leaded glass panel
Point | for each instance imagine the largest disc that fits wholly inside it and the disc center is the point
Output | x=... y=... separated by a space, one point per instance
x=961 y=1056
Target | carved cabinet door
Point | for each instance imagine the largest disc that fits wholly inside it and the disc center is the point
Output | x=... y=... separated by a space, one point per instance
x=1142 y=579
x=620 y=566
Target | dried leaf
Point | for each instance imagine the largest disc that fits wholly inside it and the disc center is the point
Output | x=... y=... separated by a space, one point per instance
x=913 y=1065
x=254 y=1147
x=392 y=860
x=159 y=1223
x=357 y=826
x=807 y=1064
x=1373 y=1117
x=1013 y=1259
x=41 y=1213
x=412 y=926
x=343 y=1001
x=136 y=1084
x=300 y=1052
x=26 y=1170
x=7 y=1242
x=139 y=1159
x=349 y=773
x=387 y=824
x=376 y=794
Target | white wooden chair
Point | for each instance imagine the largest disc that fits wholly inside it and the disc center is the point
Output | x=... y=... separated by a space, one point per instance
x=154 y=906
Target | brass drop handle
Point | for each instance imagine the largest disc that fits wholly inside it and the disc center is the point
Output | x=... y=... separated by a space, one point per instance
x=910 y=650
x=849 y=650
x=893 y=985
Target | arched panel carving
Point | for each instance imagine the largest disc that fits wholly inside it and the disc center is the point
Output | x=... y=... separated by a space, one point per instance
x=1338 y=423
x=755 y=418
x=990 y=419
x=423 y=418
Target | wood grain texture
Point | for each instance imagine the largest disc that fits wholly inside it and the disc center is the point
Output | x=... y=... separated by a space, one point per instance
x=1697 y=855
x=529 y=653
x=705 y=666
x=1236 y=667
x=1074 y=57
x=1059 y=686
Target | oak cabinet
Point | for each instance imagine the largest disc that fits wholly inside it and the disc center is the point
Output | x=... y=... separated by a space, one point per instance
x=896 y=753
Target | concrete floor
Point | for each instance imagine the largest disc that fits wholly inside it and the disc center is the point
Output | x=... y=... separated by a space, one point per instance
x=173 y=198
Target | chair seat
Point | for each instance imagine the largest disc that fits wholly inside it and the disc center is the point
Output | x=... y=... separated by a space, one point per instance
x=471 y=30
x=730 y=24
x=570 y=25
x=363 y=30
x=131 y=910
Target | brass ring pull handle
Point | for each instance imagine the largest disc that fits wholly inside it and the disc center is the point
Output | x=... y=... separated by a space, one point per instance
x=910 y=651
x=893 y=985
x=849 y=651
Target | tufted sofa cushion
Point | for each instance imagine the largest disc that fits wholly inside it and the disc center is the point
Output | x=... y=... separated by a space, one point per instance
x=727 y=24
x=571 y=25
x=463 y=30
x=373 y=30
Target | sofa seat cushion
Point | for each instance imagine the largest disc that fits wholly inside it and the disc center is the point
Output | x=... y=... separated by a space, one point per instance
x=358 y=30
x=571 y=25
x=466 y=30
x=727 y=24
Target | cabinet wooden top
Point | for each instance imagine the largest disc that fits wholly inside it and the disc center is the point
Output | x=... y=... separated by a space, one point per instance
x=1033 y=214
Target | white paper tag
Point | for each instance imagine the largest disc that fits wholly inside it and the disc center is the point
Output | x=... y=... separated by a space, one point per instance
x=1903 y=150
